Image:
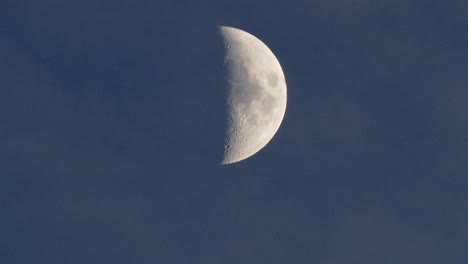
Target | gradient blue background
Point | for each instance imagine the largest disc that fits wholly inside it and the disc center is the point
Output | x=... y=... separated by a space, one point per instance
x=111 y=131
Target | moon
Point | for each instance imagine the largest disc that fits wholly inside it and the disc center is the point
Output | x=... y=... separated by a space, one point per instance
x=256 y=97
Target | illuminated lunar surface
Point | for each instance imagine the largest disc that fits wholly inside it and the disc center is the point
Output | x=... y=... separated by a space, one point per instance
x=256 y=94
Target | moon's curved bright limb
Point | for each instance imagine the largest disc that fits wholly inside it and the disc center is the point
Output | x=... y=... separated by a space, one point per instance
x=256 y=97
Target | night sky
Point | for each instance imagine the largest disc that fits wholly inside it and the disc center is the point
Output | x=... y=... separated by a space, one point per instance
x=112 y=128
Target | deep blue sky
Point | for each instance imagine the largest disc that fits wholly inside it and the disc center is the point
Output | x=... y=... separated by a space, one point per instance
x=111 y=130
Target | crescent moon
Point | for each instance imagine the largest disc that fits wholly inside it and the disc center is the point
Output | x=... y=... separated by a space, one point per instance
x=256 y=100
